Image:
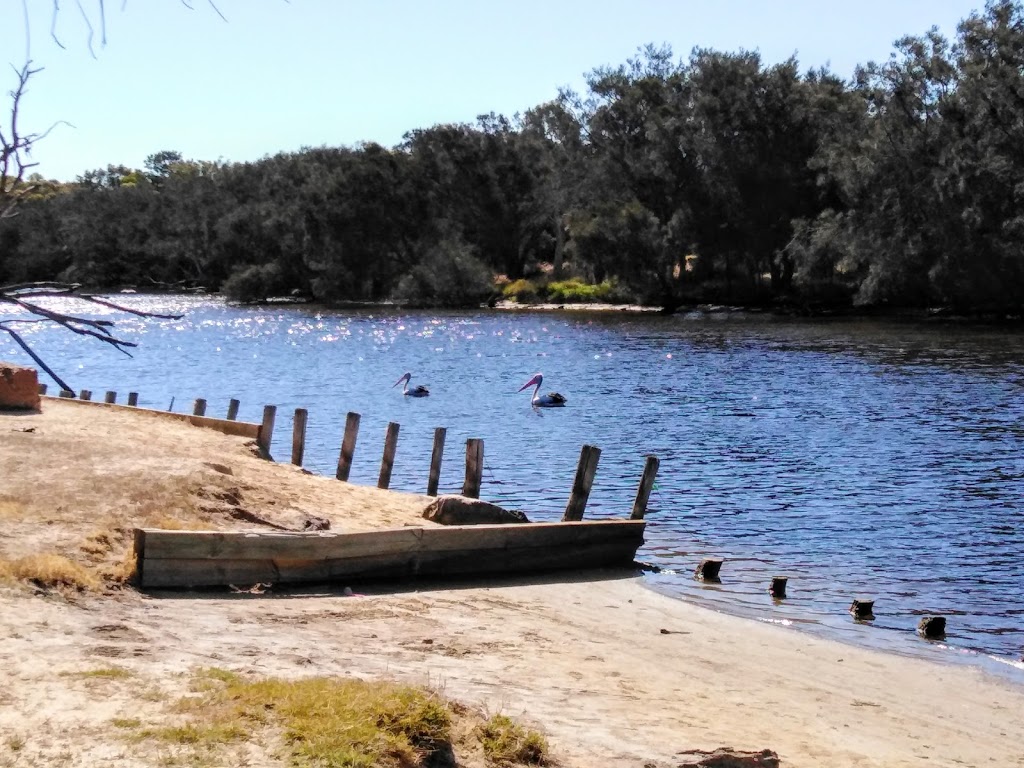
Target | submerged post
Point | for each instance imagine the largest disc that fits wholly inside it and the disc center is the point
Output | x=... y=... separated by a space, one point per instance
x=133 y=399
x=585 y=470
x=110 y=397
x=199 y=407
x=233 y=409
x=708 y=569
x=299 y=436
x=388 y=460
x=474 y=467
x=266 y=433
x=643 y=493
x=85 y=394
x=435 y=461
x=42 y=389
x=778 y=587
x=66 y=393
x=348 y=446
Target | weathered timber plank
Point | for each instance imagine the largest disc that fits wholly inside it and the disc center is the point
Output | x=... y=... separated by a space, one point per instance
x=205 y=572
x=254 y=545
x=234 y=428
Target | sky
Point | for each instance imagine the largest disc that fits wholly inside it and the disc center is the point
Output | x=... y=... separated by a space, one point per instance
x=280 y=75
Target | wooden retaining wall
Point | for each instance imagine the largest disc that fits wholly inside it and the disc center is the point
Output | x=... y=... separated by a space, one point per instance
x=185 y=559
x=235 y=428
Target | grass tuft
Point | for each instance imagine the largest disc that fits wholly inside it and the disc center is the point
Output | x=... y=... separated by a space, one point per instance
x=51 y=572
x=507 y=743
x=107 y=673
x=325 y=722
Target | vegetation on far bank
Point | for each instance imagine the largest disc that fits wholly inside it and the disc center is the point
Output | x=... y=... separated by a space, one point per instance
x=713 y=179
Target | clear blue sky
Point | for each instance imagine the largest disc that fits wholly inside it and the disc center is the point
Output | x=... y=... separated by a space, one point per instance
x=281 y=75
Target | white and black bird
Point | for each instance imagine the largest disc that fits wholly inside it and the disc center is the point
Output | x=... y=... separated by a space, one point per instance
x=418 y=391
x=550 y=400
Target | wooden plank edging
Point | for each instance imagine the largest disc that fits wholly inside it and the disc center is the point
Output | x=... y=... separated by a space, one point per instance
x=217 y=558
x=234 y=428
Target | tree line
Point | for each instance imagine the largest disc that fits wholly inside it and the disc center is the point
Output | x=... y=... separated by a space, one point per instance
x=715 y=178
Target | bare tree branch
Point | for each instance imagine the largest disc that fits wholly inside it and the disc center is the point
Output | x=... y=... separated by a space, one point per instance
x=39 y=361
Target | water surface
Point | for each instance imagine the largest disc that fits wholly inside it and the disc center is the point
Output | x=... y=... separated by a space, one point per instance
x=858 y=458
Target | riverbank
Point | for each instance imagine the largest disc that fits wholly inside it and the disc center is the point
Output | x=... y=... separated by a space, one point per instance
x=612 y=673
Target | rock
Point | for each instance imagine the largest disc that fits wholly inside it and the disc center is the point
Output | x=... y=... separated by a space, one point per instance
x=19 y=387
x=314 y=523
x=461 y=510
x=726 y=757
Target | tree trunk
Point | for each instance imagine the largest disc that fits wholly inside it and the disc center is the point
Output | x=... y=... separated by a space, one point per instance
x=556 y=271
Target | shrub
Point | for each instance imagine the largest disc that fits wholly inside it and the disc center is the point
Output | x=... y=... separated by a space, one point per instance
x=252 y=283
x=575 y=290
x=521 y=291
x=449 y=276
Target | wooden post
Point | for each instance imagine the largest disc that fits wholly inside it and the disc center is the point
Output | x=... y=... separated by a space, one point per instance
x=708 y=569
x=199 y=407
x=299 y=436
x=85 y=394
x=133 y=399
x=474 y=468
x=778 y=587
x=66 y=393
x=348 y=446
x=42 y=389
x=388 y=460
x=863 y=609
x=932 y=627
x=233 y=409
x=589 y=456
x=267 y=429
x=435 y=461
x=643 y=493
x=110 y=397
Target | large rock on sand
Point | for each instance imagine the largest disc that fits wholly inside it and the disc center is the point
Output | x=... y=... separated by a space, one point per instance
x=19 y=387
x=462 y=510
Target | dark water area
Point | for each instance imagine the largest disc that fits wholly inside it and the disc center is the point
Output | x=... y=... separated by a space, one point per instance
x=859 y=458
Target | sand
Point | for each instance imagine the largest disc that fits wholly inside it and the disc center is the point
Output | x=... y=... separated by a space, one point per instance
x=613 y=673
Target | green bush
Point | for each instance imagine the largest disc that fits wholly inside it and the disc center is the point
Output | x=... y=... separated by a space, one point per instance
x=450 y=276
x=575 y=290
x=252 y=283
x=521 y=291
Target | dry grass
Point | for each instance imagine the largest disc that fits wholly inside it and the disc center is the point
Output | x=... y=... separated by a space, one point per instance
x=333 y=723
x=102 y=673
x=507 y=743
x=50 y=571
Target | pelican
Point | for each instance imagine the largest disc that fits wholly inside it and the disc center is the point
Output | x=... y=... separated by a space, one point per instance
x=418 y=391
x=550 y=400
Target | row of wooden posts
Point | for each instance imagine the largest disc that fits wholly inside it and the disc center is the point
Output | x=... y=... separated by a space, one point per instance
x=930 y=627
x=581 y=487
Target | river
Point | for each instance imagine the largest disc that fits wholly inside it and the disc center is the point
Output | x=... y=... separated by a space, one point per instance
x=860 y=458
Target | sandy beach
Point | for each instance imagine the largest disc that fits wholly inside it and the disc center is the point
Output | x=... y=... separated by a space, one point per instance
x=613 y=673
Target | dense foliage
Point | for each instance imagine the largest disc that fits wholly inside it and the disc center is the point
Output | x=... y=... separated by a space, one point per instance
x=711 y=179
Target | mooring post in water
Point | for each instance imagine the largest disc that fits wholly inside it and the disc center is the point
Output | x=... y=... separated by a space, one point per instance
x=299 y=436
x=778 y=587
x=932 y=627
x=581 y=485
x=266 y=433
x=435 y=461
x=233 y=409
x=862 y=609
x=348 y=446
x=42 y=389
x=388 y=460
x=474 y=468
x=708 y=569
x=85 y=394
x=199 y=407
x=66 y=393
x=110 y=397
x=133 y=399
x=643 y=493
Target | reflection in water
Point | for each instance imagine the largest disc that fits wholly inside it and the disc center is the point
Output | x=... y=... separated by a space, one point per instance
x=856 y=458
